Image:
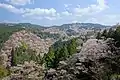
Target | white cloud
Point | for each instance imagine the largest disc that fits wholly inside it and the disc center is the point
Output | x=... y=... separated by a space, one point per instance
x=11 y=8
x=36 y=13
x=20 y=2
x=93 y=8
x=67 y=6
x=50 y=18
x=66 y=13
x=39 y=13
x=109 y=19
x=73 y=14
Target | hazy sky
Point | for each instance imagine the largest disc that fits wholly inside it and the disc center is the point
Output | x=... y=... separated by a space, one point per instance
x=52 y=12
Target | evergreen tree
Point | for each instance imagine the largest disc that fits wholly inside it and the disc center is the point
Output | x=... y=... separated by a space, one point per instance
x=117 y=35
x=110 y=33
x=98 y=35
x=50 y=58
x=60 y=51
x=57 y=57
x=72 y=47
x=63 y=53
x=105 y=34
x=14 y=58
x=22 y=54
x=39 y=59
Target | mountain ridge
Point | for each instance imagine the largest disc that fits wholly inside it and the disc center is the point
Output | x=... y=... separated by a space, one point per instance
x=37 y=25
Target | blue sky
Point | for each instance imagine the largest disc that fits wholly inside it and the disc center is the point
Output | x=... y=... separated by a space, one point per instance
x=57 y=12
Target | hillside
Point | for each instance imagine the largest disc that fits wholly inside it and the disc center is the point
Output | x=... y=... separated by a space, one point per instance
x=41 y=46
x=88 y=64
x=55 y=54
x=82 y=25
x=5 y=32
x=98 y=60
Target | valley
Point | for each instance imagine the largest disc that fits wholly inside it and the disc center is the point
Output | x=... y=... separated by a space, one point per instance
x=76 y=51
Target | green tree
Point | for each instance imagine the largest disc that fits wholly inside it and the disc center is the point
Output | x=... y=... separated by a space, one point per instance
x=3 y=72
x=60 y=51
x=39 y=59
x=72 y=47
x=50 y=58
x=105 y=34
x=57 y=56
x=98 y=35
x=6 y=31
x=111 y=33
x=22 y=54
x=117 y=34
x=65 y=52
x=14 y=58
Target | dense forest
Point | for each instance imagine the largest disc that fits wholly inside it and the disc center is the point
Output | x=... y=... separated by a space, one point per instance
x=60 y=51
x=63 y=50
x=111 y=33
x=57 y=52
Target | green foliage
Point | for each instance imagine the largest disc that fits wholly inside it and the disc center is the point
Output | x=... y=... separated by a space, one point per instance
x=50 y=58
x=5 y=32
x=60 y=51
x=24 y=45
x=112 y=70
x=115 y=76
x=105 y=34
x=98 y=35
x=22 y=54
x=65 y=54
x=111 y=33
x=117 y=34
x=14 y=58
x=3 y=72
x=72 y=47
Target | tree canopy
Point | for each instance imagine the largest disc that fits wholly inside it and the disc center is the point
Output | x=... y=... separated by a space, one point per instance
x=60 y=51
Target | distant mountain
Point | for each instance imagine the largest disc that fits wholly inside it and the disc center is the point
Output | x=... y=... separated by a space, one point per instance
x=65 y=26
x=25 y=25
x=28 y=25
x=70 y=29
x=82 y=25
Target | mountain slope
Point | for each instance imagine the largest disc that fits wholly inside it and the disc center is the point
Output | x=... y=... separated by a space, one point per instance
x=85 y=65
x=41 y=46
x=82 y=25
